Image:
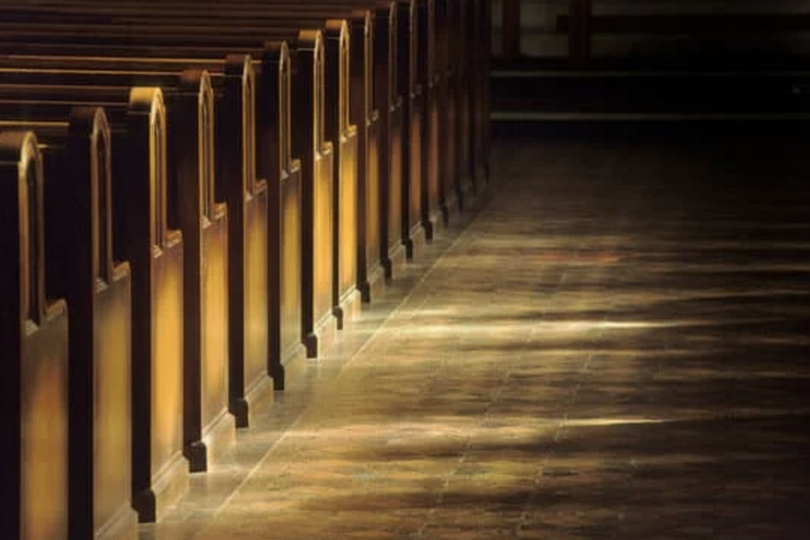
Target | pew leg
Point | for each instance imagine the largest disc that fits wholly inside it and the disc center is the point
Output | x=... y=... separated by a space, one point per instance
x=197 y=455
x=277 y=373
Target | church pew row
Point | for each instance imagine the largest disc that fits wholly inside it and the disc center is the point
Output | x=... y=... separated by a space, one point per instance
x=27 y=109
x=333 y=281
x=190 y=207
x=375 y=249
x=442 y=19
x=145 y=514
x=443 y=138
x=75 y=157
x=267 y=89
x=236 y=81
x=193 y=449
x=346 y=268
x=329 y=164
x=155 y=251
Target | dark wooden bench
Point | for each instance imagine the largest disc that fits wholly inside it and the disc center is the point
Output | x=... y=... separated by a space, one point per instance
x=192 y=209
x=444 y=19
x=337 y=224
x=98 y=291
x=432 y=182
x=244 y=80
x=317 y=312
x=432 y=40
x=159 y=469
x=322 y=44
x=33 y=356
x=81 y=269
x=417 y=136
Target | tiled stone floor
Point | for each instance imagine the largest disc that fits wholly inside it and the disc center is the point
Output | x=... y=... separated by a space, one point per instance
x=616 y=346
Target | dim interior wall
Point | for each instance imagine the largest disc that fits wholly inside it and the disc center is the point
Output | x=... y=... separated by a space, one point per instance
x=540 y=38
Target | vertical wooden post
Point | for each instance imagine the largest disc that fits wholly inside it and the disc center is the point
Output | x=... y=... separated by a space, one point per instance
x=579 y=31
x=511 y=29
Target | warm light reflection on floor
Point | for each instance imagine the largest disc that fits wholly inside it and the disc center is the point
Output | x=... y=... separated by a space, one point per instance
x=603 y=354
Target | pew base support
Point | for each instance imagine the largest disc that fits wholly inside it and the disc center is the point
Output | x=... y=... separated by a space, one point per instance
x=293 y=360
x=320 y=339
x=429 y=225
x=372 y=286
x=217 y=438
x=395 y=263
x=258 y=396
x=197 y=455
x=416 y=242
x=168 y=487
x=349 y=307
x=123 y=525
x=434 y=222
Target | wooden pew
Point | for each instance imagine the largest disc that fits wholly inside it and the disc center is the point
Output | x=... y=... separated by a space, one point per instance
x=436 y=207
x=390 y=101
x=159 y=469
x=337 y=226
x=460 y=53
x=193 y=210
x=476 y=16
x=246 y=157
x=438 y=193
x=377 y=105
x=423 y=207
x=417 y=135
x=432 y=23
x=156 y=252
x=363 y=113
x=76 y=156
x=415 y=230
x=33 y=357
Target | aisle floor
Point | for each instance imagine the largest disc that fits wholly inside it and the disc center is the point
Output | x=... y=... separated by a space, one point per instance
x=615 y=346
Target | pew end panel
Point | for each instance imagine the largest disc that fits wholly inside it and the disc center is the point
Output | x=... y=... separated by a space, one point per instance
x=435 y=210
x=364 y=113
x=397 y=238
x=208 y=428
x=415 y=231
x=285 y=200
x=389 y=102
x=317 y=322
x=160 y=471
x=98 y=289
x=292 y=348
x=376 y=212
x=34 y=349
x=247 y=200
x=449 y=37
x=344 y=136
